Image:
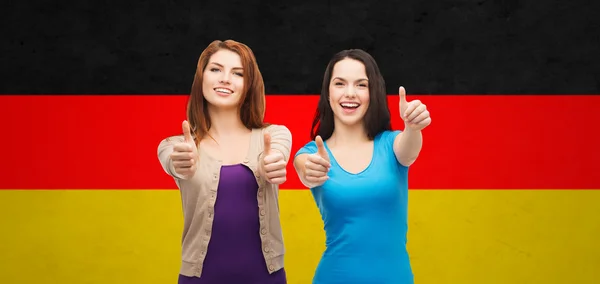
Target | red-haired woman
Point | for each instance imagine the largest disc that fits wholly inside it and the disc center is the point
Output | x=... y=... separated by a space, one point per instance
x=228 y=165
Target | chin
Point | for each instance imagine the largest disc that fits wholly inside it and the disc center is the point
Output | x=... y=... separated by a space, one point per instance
x=221 y=102
x=350 y=121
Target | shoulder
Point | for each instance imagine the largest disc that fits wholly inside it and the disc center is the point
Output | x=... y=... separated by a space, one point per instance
x=279 y=134
x=171 y=140
x=386 y=146
x=387 y=136
x=308 y=148
x=276 y=129
x=281 y=138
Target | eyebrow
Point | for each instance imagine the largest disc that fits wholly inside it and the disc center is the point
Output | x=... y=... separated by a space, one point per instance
x=362 y=79
x=215 y=63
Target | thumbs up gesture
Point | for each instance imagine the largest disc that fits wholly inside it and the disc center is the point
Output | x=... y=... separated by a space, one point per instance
x=317 y=165
x=273 y=164
x=414 y=113
x=185 y=154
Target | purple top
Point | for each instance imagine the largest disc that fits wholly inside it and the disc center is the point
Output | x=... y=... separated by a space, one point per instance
x=234 y=253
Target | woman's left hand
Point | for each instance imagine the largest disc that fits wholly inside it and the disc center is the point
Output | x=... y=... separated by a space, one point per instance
x=414 y=113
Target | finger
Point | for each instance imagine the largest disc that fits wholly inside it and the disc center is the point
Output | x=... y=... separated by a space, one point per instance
x=321 y=147
x=418 y=111
x=317 y=179
x=317 y=167
x=276 y=174
x=313 y=173
x=267 y=148
x=187 y=134
x=183 y=147
x=425 y=122
x=402 y=93
x=272 y=158
x=279 y=180
x=411 y=107
x=187 y=172
x=319 y=160
x=274 y=166
x=182 y=156
x=421 y=117
x=183 y=163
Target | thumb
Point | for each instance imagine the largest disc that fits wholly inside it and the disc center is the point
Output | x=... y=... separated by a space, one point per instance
x=402 y=93
x=186 y=132
x=321 y=148
x=267 y=149
x=402 y=104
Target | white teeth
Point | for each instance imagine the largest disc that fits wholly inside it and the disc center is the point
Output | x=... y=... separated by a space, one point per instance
x=223 y=90
x=350 y=104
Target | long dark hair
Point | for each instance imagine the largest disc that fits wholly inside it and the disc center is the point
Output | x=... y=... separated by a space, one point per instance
x=377 y=117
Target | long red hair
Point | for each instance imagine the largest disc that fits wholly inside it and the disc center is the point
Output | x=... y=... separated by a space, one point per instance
x=252 y=103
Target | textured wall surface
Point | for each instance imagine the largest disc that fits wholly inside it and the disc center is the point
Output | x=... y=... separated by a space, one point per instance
x=497 y=195
x=506 y=189
x=459 y=46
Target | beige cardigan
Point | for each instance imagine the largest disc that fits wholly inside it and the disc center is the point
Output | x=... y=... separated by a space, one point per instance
x=199 y=195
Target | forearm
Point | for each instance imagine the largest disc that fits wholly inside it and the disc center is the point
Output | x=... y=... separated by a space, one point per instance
x=300 y=167
x=165 y=152
x=164 y=156
x=407 y=146
x=261 y=166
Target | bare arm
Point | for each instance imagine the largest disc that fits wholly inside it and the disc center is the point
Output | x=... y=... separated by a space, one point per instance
x=408 y=144
x=300 y=167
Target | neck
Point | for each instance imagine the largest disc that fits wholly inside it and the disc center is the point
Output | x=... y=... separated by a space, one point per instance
x=225 y=122
x=348 y=135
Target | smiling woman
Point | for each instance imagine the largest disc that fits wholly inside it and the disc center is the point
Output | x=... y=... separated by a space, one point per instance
x=227 y=75
x=217 y=74
x=357 y=171
x=228 y=165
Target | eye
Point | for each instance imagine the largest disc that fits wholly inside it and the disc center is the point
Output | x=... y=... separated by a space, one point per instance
x=363 y=85
x=338 y=83
x=214 y=69
x=239 y=74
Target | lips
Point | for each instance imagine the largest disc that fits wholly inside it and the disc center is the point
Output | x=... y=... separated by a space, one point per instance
x=223 y=91
x=349 y=105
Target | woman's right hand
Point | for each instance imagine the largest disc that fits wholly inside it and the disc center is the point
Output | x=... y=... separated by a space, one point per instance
x=185 y=154
x=317 y=165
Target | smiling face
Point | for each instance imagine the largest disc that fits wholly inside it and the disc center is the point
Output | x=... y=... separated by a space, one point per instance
x=349 y=92
x=223 y=80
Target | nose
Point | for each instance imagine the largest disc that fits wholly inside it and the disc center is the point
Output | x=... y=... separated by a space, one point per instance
x=224 y=78
x=350 y=92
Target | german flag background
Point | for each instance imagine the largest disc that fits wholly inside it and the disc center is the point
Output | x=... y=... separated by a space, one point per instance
x=506 y=189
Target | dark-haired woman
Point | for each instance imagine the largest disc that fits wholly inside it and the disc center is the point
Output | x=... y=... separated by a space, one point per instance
x=357 y=170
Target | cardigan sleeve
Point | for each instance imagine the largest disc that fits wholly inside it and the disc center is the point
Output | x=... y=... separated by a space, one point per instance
x=165 y=148
x=281 y=139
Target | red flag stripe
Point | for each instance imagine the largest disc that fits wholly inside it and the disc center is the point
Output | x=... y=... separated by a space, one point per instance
x=474 y=142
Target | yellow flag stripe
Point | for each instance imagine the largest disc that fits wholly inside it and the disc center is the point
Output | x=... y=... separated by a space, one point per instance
x=458 y=236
